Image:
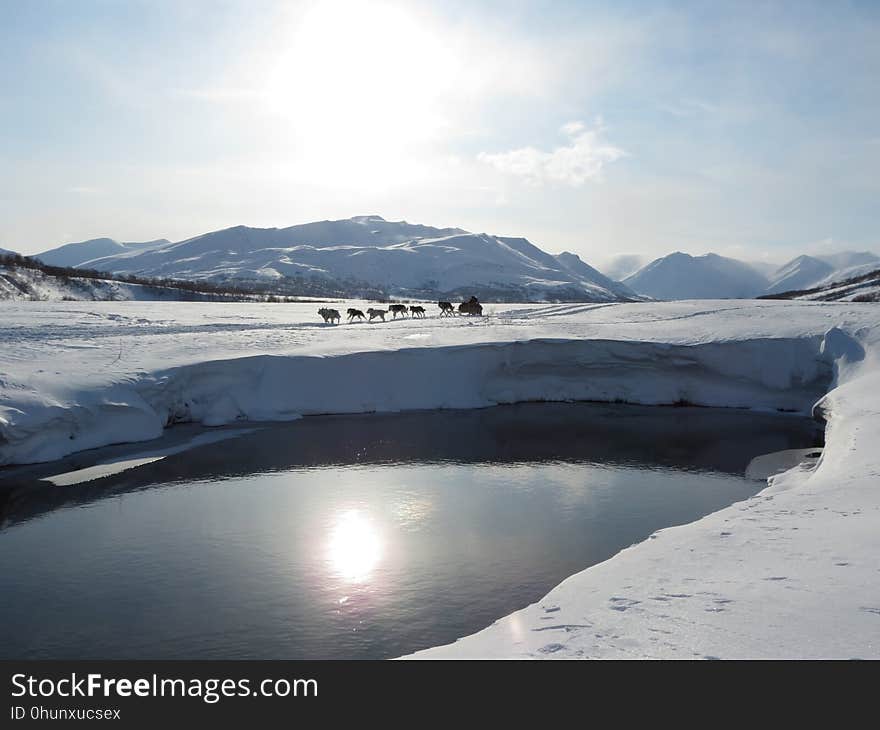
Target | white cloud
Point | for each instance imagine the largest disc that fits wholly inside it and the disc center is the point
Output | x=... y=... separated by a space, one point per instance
x=581 y=160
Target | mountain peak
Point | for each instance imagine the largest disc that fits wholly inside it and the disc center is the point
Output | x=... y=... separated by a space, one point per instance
x=369 y=253
x=710 y=276
x=568 y=255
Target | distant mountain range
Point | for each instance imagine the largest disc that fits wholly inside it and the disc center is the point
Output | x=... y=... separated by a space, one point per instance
x=361 y=256
x=682 y=276
x=367 y=256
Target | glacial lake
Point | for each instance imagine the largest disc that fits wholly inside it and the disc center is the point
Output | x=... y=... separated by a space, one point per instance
x=356 y=537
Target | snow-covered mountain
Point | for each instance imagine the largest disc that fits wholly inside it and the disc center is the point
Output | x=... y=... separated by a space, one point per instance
x=851 y=272
x=590 y=276
x=863 y=286
x=369 y=256
x=398 y=258
x=799 y=273
x=849 y=259
x=79 y=254
x=809 y=272
x=682 y=276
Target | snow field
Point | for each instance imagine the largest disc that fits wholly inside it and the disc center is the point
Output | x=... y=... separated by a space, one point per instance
x=792 y=572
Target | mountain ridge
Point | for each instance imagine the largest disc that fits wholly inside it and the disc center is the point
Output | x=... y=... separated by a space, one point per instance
x=369 y=252
x=367 y=255
x=681 y=276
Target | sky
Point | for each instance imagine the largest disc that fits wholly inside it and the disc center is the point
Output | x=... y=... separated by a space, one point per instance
x=751 y=129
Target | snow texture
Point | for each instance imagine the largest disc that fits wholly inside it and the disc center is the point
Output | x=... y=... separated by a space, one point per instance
x=791 y=572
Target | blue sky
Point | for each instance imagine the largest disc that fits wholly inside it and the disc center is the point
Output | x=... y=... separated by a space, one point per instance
x=750 y=129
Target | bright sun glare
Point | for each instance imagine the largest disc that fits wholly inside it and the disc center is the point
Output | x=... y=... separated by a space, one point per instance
x=355 y=547
x=362 y=82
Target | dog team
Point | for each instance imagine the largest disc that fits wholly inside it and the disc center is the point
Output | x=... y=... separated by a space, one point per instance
x=447 y=309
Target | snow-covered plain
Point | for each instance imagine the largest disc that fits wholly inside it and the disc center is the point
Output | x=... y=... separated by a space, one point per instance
x=792 y=572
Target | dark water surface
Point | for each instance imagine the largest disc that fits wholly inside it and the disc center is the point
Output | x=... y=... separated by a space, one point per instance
x=358 y=536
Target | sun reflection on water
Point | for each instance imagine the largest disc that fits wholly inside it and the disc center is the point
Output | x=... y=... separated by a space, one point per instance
x=355 y=547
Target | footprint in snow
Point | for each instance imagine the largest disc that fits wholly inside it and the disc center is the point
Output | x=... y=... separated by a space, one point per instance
x=551 y=648
x=623 y=604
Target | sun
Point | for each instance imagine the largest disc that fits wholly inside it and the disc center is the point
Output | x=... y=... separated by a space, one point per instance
x=361 y=84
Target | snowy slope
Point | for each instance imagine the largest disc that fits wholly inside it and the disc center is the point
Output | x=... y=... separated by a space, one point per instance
x=81 y=253
x=859 y=283
x=810 y=272
x=592 y=277
x=802 y=272
x=27 y=284
x=398 y=257
x=851 y=272
x=849 y=259
x=682 y=276
x=863 y=287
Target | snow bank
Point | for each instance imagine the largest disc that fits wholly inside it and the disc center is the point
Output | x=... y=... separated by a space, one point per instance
x=78 y=376
x=779 y=374
x=762 y=467
x=768 y=374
